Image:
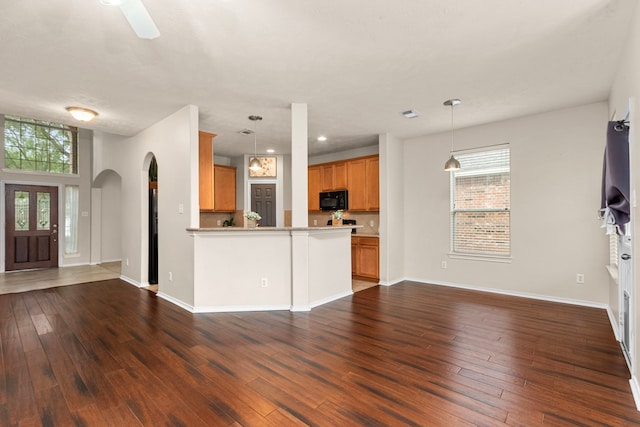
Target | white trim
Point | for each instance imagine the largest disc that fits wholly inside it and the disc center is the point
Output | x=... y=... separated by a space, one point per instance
x=237 y=308
x=176 y=301
x=391 y=283
x=131 y=281
x=513 y=293
x=300 y=308
x=635 y=390
x=481 y=257
x=614 y=324
x=330 y=298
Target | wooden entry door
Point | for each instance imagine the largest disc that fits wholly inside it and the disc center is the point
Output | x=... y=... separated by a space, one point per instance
x=263 y=201
x=31 y=215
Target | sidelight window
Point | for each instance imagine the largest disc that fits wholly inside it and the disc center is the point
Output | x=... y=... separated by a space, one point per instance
x=481 y=204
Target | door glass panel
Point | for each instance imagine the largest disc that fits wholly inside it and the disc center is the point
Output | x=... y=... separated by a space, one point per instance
x=21 y=203
x=44 y=211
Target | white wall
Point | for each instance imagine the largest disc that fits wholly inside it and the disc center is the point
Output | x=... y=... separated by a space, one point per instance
x=174 y=142
x=626 y=90
x=556 y=162
x=343 y=155
x=392 y=205
x=111 y=219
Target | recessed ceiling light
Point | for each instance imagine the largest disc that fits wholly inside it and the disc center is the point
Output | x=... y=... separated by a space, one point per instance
x=410 y=114
x=322 y=138
x=270 y=150
x=82 y=114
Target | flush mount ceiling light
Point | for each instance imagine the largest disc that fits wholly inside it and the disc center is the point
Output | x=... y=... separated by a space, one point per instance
x=322 y=138
x=82 y=114
x=452 y=164
x=270 y=150
x=410 y=114
x=254 y=163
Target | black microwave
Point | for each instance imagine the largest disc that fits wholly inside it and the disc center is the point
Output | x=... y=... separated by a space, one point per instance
x=334 y=200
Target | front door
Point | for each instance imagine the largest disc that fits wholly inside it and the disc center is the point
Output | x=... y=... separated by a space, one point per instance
x=263 y=201
x=31 y=215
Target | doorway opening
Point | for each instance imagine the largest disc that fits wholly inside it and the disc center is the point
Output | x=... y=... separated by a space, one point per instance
x=263 y=201
x=31 y=227
x=153 y=222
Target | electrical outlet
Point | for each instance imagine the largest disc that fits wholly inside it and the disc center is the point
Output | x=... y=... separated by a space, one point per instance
x=443 y=264
x=127 y=261
x=264 y=282
x=371 y=223
x=219 y=223
x=315 y=222
x=579 y=278
x=170 y=276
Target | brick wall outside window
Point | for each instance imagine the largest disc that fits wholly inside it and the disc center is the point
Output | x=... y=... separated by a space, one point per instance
x=481 y=204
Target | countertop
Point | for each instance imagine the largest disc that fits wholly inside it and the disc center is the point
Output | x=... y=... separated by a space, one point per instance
x=237 y=229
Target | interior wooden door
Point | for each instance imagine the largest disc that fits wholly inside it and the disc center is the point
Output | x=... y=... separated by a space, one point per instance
x=31 y=230
x=263 y=201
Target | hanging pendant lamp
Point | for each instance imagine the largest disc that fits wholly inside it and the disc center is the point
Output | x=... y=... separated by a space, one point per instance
x=452 y=164
x=254 y=163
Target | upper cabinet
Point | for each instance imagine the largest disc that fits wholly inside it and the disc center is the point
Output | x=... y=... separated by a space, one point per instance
x=359 y=176
x=224 y=188
x=205 y=165
x=314 y=183
x=334 y=176
x=217 y=183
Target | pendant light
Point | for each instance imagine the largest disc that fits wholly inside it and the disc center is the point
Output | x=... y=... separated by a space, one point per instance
x=452 y=164
x=254 y=163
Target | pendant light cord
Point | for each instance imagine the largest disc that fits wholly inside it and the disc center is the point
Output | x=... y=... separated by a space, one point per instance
x=451 y=151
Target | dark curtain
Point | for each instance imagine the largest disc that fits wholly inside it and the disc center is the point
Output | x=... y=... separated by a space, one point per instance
x=615 y=178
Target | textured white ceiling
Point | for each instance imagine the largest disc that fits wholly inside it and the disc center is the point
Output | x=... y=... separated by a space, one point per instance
x=357 y=63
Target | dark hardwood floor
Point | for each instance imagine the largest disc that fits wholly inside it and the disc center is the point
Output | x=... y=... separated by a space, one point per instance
x=107 y=353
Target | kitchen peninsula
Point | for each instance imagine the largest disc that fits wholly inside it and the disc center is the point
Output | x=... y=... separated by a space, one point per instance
x=268 y=268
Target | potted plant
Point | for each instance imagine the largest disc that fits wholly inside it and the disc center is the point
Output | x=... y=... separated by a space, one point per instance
x=337 y=217
x=251 y=219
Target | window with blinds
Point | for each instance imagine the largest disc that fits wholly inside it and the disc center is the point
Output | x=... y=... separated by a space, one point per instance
x=480 y=203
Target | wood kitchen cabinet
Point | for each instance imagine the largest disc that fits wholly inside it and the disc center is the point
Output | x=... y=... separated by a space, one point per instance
x=205 y=165
x=360 y=176
x=372 y=183
x=365 y=258
x=334 y=176
x=224 y=188
x=314 y=186
x=363 y=184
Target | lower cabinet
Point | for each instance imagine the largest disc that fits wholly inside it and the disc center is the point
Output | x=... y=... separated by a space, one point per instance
x=365 y=258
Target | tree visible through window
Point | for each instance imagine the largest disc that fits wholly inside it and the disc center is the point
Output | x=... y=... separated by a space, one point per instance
x=480 y=203
x=40 y=146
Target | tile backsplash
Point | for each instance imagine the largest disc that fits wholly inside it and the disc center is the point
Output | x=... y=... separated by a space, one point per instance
x=370 y=221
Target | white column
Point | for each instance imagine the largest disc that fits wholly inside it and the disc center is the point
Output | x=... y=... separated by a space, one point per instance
x=299 y=209
x=299 y=163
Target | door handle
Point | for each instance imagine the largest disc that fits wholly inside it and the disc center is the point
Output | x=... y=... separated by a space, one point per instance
x=625 y=257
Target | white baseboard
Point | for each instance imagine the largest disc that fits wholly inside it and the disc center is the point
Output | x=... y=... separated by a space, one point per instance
x=238 y=308
x=131 y=281
x=635 y=391
x=330 y=298
x=614 y=323
x=176 y=301
x=391 y=283
x=300 y=308
x=513 y=293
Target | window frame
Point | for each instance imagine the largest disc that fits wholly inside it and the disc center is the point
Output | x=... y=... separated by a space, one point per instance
x=483 y=256
x=73 y=140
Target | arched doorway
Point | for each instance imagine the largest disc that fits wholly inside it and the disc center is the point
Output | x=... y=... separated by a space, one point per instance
x=153 y=222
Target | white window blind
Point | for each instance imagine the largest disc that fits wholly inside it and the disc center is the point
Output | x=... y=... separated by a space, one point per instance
x=481 y=203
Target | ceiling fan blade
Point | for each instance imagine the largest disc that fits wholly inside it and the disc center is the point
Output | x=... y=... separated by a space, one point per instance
x=139 y=19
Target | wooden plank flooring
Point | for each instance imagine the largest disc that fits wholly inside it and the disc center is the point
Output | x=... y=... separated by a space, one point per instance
x=107 y=353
